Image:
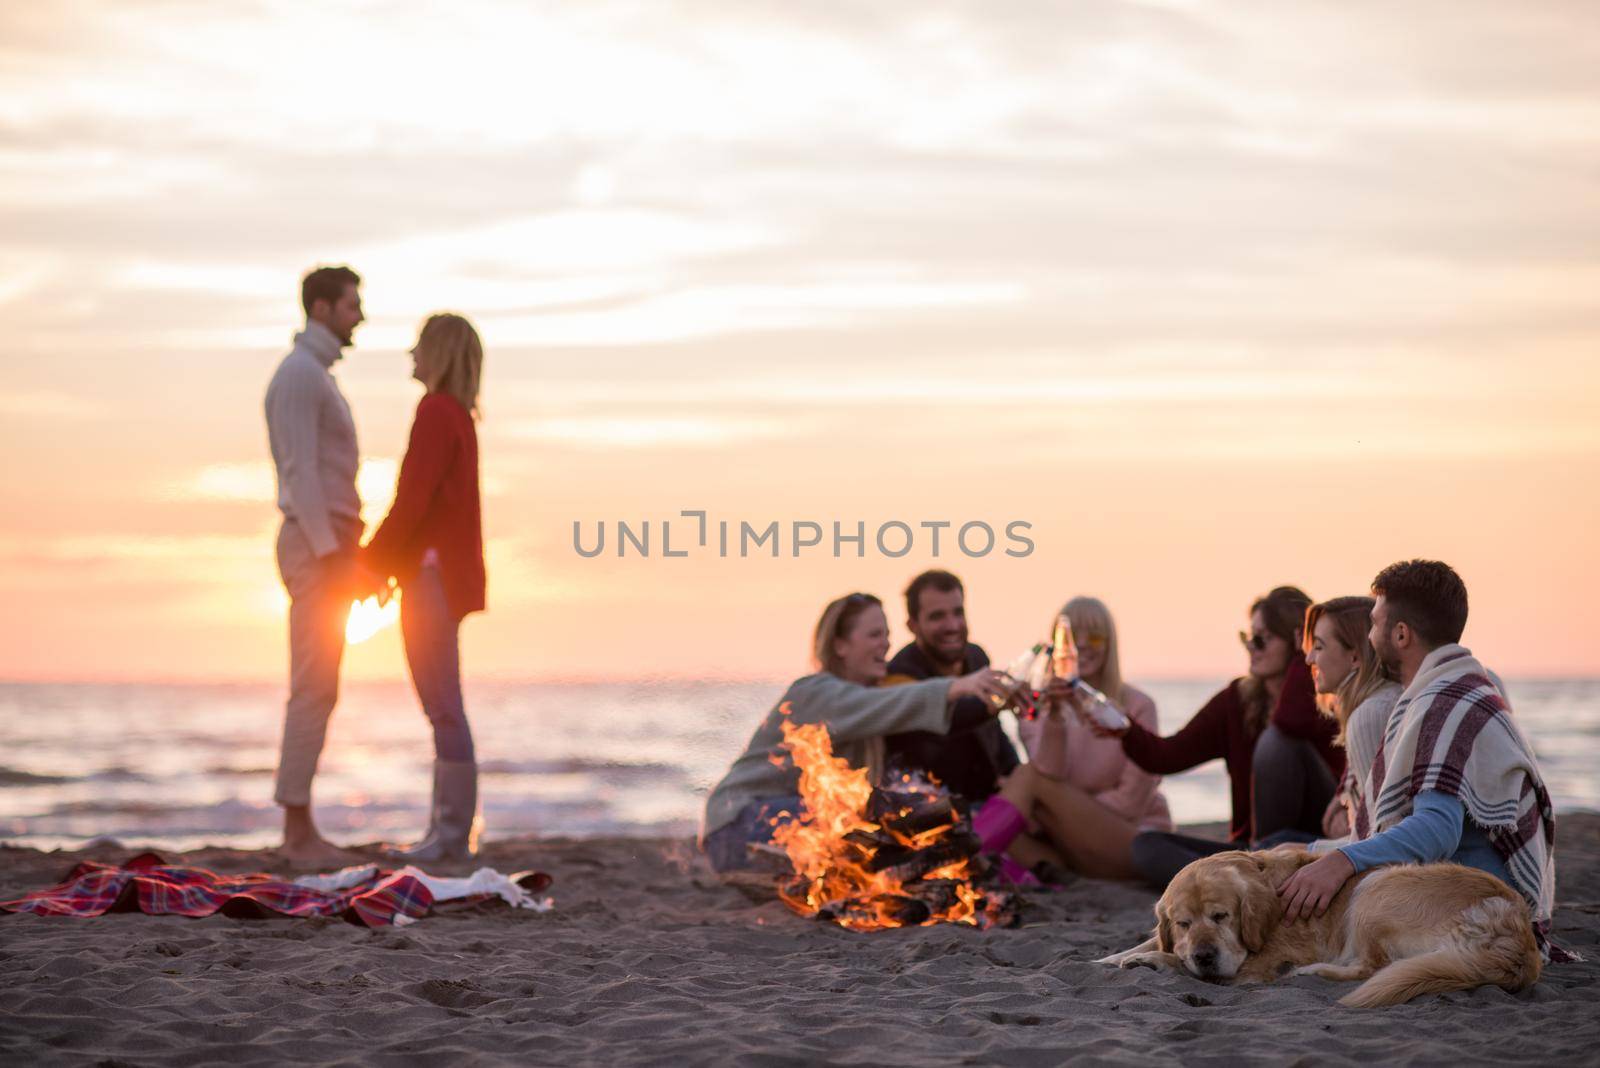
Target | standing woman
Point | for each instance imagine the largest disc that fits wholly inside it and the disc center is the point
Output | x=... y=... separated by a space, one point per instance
x=432 y=542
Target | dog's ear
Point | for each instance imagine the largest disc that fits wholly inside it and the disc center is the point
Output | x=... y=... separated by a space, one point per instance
x=1259 y=913
x=1278 y=864
x=1163 y=929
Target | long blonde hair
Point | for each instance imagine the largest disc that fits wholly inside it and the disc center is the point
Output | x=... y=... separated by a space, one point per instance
x=450 y=358
x=1351 y=618
x=1089 y=616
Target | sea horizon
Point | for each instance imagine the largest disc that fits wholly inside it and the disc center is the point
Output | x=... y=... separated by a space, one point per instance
x=179 y=765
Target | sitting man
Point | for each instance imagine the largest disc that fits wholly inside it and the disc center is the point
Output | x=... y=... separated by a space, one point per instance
x=976 y=754
x=1454 y=779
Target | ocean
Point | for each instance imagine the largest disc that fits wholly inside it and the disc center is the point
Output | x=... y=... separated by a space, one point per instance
x=178 y=766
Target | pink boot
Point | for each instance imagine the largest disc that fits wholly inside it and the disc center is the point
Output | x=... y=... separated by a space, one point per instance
x=1017 y=875
x=997 y=824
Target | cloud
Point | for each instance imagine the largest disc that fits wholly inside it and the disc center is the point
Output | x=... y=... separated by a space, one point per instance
x=647 y=431
x=136 y=549
x=1160 y=169
x=257 y=481
x=49 y=405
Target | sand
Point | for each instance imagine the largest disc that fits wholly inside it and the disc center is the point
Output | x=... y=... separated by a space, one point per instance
x=647 y=959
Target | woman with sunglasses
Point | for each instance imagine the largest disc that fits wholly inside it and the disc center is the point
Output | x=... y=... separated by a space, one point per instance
x=1086 y=797
x=1282 y=762
x=850 y=648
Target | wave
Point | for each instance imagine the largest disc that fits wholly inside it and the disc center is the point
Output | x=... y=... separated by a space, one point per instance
x=604 y=769
x=16 y=777
x=239 y=773
x=117 y=774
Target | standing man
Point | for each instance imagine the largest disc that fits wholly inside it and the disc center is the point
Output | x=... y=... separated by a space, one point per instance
x=973 y=757
x=313 y=440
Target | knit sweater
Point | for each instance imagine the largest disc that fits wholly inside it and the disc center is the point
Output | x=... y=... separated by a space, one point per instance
x=436 y=506
x=1363 y=737
x=854 y=715
x=313 y=440
x=1099 y=766
x=1219 y=731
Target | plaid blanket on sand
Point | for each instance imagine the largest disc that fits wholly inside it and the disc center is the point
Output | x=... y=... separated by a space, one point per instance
x=147 y=884
x=1453 y=732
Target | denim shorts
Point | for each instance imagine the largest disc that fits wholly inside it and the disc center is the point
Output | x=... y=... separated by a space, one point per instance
x=725 y=846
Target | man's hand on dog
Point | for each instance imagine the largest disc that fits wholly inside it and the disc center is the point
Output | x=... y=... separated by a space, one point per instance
x=1309 y=891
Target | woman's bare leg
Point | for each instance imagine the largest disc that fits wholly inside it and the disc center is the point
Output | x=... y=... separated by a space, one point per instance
x=1095 y=841
x=1028 y=851
x=1019 y=788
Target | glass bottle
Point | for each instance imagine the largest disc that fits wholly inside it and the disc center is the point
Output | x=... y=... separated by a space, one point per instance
x=1064 y=665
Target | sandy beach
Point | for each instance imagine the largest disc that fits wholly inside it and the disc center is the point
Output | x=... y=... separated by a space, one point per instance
x=647 y=959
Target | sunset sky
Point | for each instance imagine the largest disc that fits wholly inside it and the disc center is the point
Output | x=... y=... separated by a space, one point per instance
x=1216 y=297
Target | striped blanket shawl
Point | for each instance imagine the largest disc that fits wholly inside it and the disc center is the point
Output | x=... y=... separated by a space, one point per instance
x=1452 y=731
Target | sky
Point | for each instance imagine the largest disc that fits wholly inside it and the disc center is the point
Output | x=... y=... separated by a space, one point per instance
x=1213 y=297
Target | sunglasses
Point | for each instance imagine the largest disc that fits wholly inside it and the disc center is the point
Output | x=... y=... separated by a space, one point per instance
x=1258 y=642
x=1097 y=642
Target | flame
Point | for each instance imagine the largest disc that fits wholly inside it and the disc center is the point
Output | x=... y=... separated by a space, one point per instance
x=369 y=617
x=833 y=871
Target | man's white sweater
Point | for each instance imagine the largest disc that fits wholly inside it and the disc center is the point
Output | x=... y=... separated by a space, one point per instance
x=313 y=439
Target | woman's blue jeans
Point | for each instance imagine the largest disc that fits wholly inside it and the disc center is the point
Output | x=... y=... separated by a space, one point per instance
x=433 y=653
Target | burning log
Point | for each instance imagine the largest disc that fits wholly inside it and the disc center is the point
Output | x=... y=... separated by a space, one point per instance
x=869 y=842
x=887 y=910
x=951 y=849
x=863 y=857
x=910 y=814
x=938 y=894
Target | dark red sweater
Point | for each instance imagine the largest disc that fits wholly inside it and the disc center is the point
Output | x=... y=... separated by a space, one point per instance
x=1218 y=731
x=436 y=506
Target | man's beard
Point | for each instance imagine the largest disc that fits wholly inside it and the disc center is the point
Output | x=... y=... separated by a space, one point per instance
x=1388 y=656
x=952 y=660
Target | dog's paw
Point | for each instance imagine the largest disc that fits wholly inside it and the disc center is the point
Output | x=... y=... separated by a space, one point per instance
x=1153 y=961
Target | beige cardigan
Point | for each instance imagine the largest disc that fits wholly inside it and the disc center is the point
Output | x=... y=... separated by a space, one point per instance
x=857 y=718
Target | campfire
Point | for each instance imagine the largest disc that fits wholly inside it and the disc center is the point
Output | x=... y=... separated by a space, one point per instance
x=867 y=858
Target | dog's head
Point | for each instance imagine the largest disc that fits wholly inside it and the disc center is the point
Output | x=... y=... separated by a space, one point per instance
x=1222 y=908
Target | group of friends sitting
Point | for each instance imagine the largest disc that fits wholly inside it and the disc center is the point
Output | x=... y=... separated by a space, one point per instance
x=1362 y=731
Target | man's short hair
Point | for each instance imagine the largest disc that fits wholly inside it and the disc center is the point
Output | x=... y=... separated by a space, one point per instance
x=326 y=283
x=943 y=581
x=1427 y=596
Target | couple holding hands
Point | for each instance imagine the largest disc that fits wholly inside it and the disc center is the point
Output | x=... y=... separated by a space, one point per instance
x=430 y=545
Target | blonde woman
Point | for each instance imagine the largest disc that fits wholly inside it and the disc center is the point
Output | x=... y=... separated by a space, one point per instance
x=850 y=648
x=1355 y=689
x=1085 y=794
x=432 y=543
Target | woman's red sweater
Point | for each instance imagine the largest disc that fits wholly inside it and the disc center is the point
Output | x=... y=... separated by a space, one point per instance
x=436 y=506
x=1218 y=731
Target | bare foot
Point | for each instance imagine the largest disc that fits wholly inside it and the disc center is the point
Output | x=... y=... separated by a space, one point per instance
x=318 y=854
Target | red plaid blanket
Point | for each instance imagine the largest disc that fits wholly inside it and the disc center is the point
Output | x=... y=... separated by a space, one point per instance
x=147 y=884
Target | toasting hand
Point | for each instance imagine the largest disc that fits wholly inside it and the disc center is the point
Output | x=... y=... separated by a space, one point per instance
x=987 y=684
x=1091 y=707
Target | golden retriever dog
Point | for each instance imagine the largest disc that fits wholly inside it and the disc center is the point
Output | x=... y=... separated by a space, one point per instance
x=1407 y=930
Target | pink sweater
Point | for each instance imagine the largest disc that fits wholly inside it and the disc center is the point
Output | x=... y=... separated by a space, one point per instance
x=1100 y=768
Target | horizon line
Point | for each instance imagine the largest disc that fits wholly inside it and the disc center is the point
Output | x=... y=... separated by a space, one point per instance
x=592 y=680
